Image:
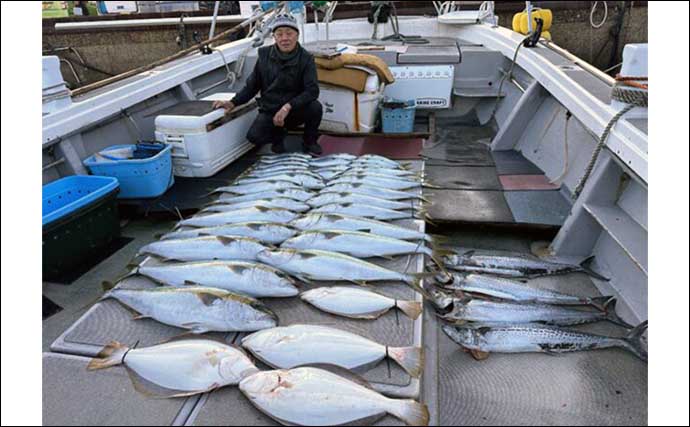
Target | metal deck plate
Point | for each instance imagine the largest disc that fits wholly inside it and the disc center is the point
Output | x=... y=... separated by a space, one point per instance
x=463 y=177
x=468 y=206
x=538 y=207
x=511 y=162
x=526 y=182
x=460 y=144
x=74 y=396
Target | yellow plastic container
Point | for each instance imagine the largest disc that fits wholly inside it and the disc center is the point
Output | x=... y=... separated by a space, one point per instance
x=520 y=20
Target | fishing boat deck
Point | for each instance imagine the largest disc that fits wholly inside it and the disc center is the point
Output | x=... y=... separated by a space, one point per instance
x=604 y=387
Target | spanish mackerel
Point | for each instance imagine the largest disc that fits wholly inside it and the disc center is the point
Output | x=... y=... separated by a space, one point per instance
x=298 y=179
x=277 y=202
x=295 y=345
x=515 y=291
x=290 y=193
x=364 y=211
x=392 y=183
x=540 y=338
x=310 y=396
x=198 y=309
x=371 y=190
x=178 y=368
x=526 y=266
x=357 y=303
x=494 y=312
x=257 y=187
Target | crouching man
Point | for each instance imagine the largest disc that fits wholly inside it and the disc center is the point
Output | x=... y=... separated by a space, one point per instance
x=285 y=74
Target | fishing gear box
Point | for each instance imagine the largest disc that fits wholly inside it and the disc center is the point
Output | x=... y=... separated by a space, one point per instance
x=79 y=217
x=144 y=170
x=205 y=140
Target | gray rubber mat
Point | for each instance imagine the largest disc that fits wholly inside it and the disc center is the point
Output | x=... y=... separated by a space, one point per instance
x=511 y=162
x=463 y=177
x=468 y=206
x=600 y=387
x=538 y=207
x=109 y=320
x=74 y=396
x=459 y=144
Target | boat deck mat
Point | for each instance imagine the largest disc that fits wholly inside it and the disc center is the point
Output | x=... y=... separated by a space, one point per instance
x=511 y=162
x=452 y=206
x=74 y=396
x=538 y=207
x=463 y=177
x=393 y=148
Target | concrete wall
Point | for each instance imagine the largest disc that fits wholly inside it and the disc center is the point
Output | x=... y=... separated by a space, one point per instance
x=116 y=51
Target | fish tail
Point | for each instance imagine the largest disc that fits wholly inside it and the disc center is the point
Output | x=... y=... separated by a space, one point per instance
x=612 y=316
x=437 y=239
x=411 y=359
x=633 y=341
x=585 y=265
x=599 y=302
x=412 y=309
x=111 y=355
x=410 y=412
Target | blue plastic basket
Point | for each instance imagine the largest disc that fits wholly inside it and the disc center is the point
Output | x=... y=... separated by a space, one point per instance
x=398 y=120
x=138 y=178
x=68 y=195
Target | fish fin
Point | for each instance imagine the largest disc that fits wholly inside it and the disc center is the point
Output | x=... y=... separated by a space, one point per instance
x=469 y=253
x=599 y=302
x=411 y=412
x=159 y=235
x=133 y=272
x=195 y=327
x=150 y=389
x=585 y=266
x=111 y=355
x=141 y=316
x=479 y=355
x=412 y=309
x=634 y=342
x=107 y=287
x=436 y=240
x=547 y=349
x=411 y=359
x=387 y=257
x=225 y=240
x=340 y=371
x=191 y=283
x=360 y=283
x=206 y=298
x=612 y=316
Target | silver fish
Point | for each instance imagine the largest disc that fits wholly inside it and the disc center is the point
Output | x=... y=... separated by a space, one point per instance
x=198 y=309
x=257 y=187
x=384 y=182
x=327 y=198
x=357 y=303
x=244 y=277
x=205 y=248
x=299 y=180
x=540 y=338
x=515 y=291
x=527 y=266
x=328 y=163
x=275 y=174
x=311 y=396
x=480 y=311
x=358 y=170
x=256 y=213
x=290 y=193
x=364 y=211
x=267 y=232
x=322 y=265
x=370 y=190
x=360 y=245
x=321 y=221
x=178 y=368
x=278 y=202
x=295 y=345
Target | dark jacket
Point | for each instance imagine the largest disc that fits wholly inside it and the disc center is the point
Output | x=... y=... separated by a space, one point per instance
x=293 y=81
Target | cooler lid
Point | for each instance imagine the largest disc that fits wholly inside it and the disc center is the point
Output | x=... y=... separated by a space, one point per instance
x=188 y=115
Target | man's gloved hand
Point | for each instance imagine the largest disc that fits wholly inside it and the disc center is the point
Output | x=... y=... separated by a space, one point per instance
x=227 y=105
x=279 y=117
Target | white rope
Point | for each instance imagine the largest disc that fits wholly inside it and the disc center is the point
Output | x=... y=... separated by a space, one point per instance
x=591 y=15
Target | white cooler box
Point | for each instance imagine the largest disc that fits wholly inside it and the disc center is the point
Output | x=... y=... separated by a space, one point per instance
x=203 y=140
x=345 y=110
